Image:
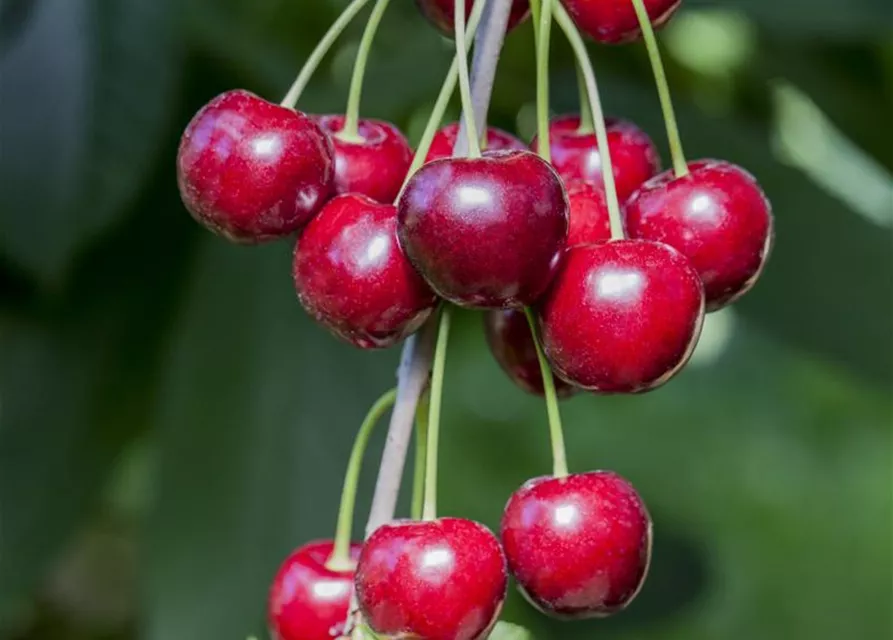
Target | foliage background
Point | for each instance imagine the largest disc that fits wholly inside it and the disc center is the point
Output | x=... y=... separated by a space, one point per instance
x=171 y=424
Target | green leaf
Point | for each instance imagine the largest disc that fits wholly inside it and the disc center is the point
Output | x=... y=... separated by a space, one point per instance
x=507 y=631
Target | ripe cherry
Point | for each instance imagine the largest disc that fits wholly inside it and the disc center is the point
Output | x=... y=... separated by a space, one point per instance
x=590 y=221
x=615 y=21
x=374 y=165
x=579 y=546
x=445 y=139
x=575 y=155
x=251 y=170
x=717 y=216
x=309 y=601
x=441 y=13
x=622 y=316
x=352 y=276
x=433 y=580
x=485 y=232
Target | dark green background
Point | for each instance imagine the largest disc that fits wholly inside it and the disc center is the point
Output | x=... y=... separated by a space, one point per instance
x=171 y=423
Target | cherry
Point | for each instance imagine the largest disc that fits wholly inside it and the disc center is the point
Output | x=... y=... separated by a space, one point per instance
x=441 y=13
x=717 y=216
x=485 y=232
x=441 y=579
x=251 y=170
x=445 y=139
x=352 y=276
x=575 y=155
x=510 y=342
x=615 y=21
x=374 y=165
x=579 y=546
x=589 y=218
x=622 y=316
x=309 y=601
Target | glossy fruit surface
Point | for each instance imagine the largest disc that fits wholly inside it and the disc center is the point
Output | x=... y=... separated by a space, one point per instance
x=441 y=13
x=578 y=546
x=615 y=21
x=485 y=232
x=352 y=276
x=375 y=166
x=251 y=170
x=622 y=316
x=590 y=221
x=717 y=216
x=575 y=155
x=436 y=580
x=307 y=600
x=445 y=139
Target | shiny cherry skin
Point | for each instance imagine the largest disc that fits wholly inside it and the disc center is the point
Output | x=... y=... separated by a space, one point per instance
x=508 y=336
x=309 y=601
x=590 y=221
x=251 y=170
x=374 y=165
x=443 y=579
x=445 y=139
x=579 y=546
x=485 y=232
x=352 y=276
x=615 y=21
x=441 y=13
x=622 y=316
x=717 y=216
x=575 y=155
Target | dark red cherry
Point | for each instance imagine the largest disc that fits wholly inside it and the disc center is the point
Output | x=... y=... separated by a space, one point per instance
x=251 y=170
x=441 y=13
x=443 y=579
x=309 y=601
x=444 y=140
x=578 y=546
x=575 y=155
x=352 y=276
x=717 y=216
x=622 y=316
x=590 y=221
x=615 y=21
x=485 y=232
x=511 y=343
x=375 y=166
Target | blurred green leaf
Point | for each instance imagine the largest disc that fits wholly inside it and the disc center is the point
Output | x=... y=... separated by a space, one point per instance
x=506 y=631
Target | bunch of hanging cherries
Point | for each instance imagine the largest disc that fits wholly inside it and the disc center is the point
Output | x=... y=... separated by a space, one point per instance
x=589 y=262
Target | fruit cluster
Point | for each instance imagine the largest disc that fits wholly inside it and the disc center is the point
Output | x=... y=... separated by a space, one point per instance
x=588 y=261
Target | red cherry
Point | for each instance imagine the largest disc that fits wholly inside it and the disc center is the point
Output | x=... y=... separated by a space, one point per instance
x=508 y=335
x=444 y=140
x=441 y=13
x=622 y=316
x=590 y=221
x=436 y=580
x=575 y=155
x=251 y=170
x=374 y=167
x=615 y=21
x=307 y=600
x=578 y=546
x=717 y=216
x=485 y=232
x=352 y=276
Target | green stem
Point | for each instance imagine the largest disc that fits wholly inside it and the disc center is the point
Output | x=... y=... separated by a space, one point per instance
x=322 y=48
x=587 y=126
x=421 y=449
x=556 y=433
x=598 y=118
x=680 y=167
x=340 y=559
x=543 y=37
x=351 y=131
x=474 y=142
x=429 y=511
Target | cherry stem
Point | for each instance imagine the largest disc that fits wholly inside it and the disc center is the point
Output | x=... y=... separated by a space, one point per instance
x=680 y=167
x=429 y=511
x=340 y=559
x=351 y=130
x=471 y=132
x=320 y=51
x=587 y=126
x=421 y=451
x=598 y=118
x=556 y=433
x=542 y=16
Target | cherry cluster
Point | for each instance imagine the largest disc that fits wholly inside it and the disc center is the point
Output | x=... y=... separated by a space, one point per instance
x=588 y=261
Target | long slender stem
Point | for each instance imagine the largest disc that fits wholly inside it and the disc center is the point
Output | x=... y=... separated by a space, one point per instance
x=319 y=52
x=471 y=132
x=340 y=559
x=586 y=125
x=598 y=117
x=680 y=167
x=421 y=452
x=543 y=41
x=429 y=511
